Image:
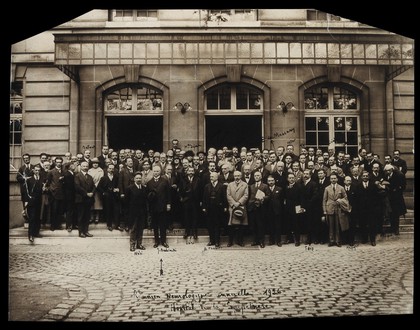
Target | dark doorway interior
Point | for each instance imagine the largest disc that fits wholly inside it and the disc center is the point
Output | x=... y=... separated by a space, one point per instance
x=135 y=132
x=232 y=131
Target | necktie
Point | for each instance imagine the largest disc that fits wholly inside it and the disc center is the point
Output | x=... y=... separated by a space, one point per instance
x=258 y=185
x=365 y=184
x=36 y=178
x=272 y=188
x=334 y=188
x=347 y=189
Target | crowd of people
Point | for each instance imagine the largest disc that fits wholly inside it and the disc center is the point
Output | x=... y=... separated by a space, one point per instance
x=328 y=196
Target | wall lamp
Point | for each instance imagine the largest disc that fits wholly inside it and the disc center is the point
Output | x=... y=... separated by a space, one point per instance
x=182 y=107
x=286 y=107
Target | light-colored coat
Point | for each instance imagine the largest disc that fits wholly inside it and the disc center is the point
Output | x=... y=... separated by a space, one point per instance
x=237 y=194
x=331 y=207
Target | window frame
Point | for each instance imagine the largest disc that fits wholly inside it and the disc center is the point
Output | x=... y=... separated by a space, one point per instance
x=15 y=149
x=233 y=100
x=332 y=114
x=135 y=87
x=134 y=17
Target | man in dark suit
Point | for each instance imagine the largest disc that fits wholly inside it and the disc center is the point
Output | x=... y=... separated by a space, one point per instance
x=280 y=175
x=257 y=208
x=401 y=164
x=104 y=155
x=368 y=208
x=85 y=189
x=320 y=229
x=69 y=195
x=189 y=193
x=259 y=167
x=275 y=213
x=396 y=188
x=214 y=205
x=125 y=179
x=108 y=188
x=33 y=196
x=247 y=175
x=308 y=196
x=176 y=210
x=55 y=179
x=350 y=189
x=137 y=201
x=23 y=174
x=293 y=215
x=159 y=197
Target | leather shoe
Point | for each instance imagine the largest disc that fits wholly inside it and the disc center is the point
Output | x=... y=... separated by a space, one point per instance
x=109 y=228
x=297 y=244
x=31 y=239
x=330 y=244
x=185 y=236
x=82 y=235
x=229 y=244
x=69 y=230
x=262 y=246
x=373 y=243
x=217 y=245
x=338 y=244
x=279 y=244
x=155 y=245
x=271 y=243
x=120 y=228
x=141 y=247
x=127 y=229
x=132 y=247
x=241 y=244
x=210 y=244
x=87 y=234
x=165 y=245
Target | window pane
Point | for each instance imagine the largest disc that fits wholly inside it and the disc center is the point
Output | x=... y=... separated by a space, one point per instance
x=224 y=95
x=339 y=137
x=323 y=138
x=242 y=98
x=310 y=138
x=212 y=99
x=338 y=149
x=323 y=123
x=352 y=138
x=254 y=100
x=15 y=129
x=344 y=99
x=339 y=123
x=310 y=124
x=120 y=99
x=351 y=123
x=316 y=98
x=149 y=99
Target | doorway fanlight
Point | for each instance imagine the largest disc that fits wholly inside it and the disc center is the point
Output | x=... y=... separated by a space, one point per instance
x=182 y=107
x=286 y=107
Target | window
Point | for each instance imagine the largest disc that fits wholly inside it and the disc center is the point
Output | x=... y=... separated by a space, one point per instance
x=134 y=15
x=145 y=98
x=15 y=123
x=316 y=15
x=332 y=116
x=234 y=97
x=232 y=15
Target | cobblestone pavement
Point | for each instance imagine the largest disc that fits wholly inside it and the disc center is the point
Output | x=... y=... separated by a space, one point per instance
x=100 y=280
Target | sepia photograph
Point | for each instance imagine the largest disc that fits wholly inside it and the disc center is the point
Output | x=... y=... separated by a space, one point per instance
x=180 y=165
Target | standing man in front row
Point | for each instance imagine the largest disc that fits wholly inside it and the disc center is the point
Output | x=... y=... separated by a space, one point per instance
x=136 y=201
x=332 y=210
x=237 y=196
x=33 y=204
x=158 y=194
x=85 y=189
x=214 y=204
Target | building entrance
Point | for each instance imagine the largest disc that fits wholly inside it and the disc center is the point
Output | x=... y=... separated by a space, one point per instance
x=135 y=132
x=234 y=130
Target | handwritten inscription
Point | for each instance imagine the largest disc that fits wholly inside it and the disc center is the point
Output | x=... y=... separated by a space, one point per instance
x=166 y=250
x=137 y=253
x=353 y=248
x=236 y=301
x=309 y=248
x=88 y=146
